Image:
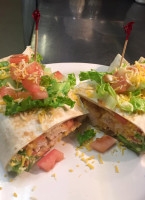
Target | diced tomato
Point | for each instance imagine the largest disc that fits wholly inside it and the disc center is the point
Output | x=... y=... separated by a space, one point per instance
x=40 y=95
x=103 y=144
x=120 y=86
x=23 y=95
x=15 y=73
x=34 y=88
x=30 y=85
x=58 y=75
x=18 y=58
x=7 y=91
x=48 y=161
x=121 y=119
x=33 y=68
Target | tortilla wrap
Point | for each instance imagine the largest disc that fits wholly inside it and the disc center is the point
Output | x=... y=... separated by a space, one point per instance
x=87 y=91
x=19 y=130
x=108 y=116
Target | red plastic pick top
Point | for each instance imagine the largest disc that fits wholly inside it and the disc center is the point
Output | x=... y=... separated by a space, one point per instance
x=36 y=16
x=128 y=29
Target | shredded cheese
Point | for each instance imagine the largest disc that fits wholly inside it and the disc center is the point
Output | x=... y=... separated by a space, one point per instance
x=122 y=150
x=15 y=194
x=116 y=169
x=100 y=159
x=90 y=166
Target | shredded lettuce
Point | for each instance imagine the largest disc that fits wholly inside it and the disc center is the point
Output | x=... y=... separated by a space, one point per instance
x=39 y=58
x=4 y=64
x=135 y=93
x=72 y=79
x=106 y=93
x=57 y=96
x=138 y=104
x=13 y=107
x=92 y=75
x=126 y=106
x=55 y=88
x=17 y=163
x=87 y=135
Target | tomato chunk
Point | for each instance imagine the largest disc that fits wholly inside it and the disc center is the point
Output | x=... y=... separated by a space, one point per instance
x=23 y=95
x=7 y=91
x=103 y=144
x=35 y=68
x=18 y=58
x=58 y=75
x=120 y=86
x=40 y=95
x=30 y=85
x=121 y=119
x=48 y=161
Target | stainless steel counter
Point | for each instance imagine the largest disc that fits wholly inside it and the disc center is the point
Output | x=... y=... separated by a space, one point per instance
x=89 y=31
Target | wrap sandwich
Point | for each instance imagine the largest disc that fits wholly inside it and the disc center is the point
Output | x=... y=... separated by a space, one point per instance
x=116 y=101
x=37 y=109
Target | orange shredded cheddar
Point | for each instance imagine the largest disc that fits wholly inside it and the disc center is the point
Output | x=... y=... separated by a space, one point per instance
x=15 y=194
x=116 y=169
x=90 y=166
x=100 y=159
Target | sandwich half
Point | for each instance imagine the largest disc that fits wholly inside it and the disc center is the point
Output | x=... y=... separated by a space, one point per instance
x=37 y=109
x=116 y=101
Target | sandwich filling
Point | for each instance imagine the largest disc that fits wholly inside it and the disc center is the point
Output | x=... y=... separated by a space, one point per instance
x=28 y=155
x=117 y=126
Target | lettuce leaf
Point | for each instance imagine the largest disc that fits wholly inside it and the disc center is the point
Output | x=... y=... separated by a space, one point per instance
x=138 y=104
x=72 y=79
x=135 y=93
x=92 y=75
x=13 y=107
x=87 y=135
x=39 y=58
x=4 y=64
x=107 y=94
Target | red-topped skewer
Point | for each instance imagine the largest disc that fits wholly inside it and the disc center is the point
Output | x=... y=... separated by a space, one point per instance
x=36 y=16
x=127 y=29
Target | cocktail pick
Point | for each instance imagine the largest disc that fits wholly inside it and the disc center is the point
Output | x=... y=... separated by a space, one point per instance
x=127 y=29
x=36 y=16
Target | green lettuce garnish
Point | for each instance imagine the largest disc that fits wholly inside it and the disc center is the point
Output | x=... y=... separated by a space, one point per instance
x=4 y=64
x=138 y=104
x=17 y=163
x=39 y=58
x=87 y=135
x=135 y=93
x=106 y=93
x=92 y=75
x=13 y=107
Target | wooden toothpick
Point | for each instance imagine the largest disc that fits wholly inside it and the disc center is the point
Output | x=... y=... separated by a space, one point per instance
x=127 y=29
x=36 y=16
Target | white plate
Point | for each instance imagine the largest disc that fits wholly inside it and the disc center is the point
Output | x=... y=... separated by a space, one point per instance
x=100 y=183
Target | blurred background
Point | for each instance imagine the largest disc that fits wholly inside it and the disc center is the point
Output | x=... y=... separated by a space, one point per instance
x=89 y=31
